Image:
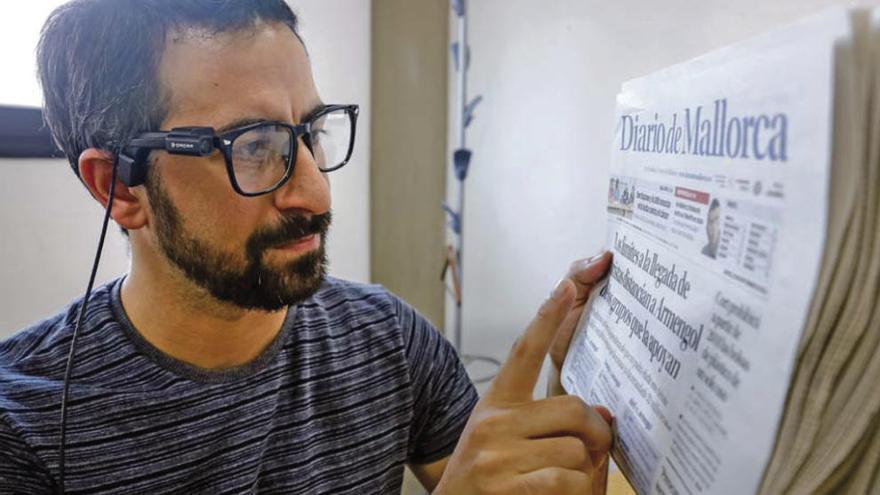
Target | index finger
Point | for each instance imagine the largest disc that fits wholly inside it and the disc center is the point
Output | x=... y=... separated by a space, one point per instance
x=518 y=375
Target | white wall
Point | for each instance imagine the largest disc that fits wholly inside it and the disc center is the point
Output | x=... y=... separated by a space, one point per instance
x=50 y=224
x=50 y=228
x=550 y=72
x=337 y=36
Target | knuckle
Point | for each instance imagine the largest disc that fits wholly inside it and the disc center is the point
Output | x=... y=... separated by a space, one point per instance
x=478 y=437
x=556 y=478
x=546 y=311
x=575 y=450
x=524 y=348
x=486 y=429
x=493 y=423
x=531 y=486
x=483 y=461
x=574 y=406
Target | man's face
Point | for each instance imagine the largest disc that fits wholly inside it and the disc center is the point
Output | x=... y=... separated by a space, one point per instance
x=712 y=227
x=263 y=252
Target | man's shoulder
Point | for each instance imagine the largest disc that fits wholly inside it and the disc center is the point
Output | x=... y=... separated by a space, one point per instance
x=47 y=340
x=334 y=286
x=37 y=338
x=337 y=295
x=29 y=362
x=348 y=303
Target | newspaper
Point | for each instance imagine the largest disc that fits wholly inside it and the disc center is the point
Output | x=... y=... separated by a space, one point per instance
x=717 y=207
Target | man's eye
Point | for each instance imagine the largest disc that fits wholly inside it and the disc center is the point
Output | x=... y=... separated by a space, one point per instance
x=254 y=148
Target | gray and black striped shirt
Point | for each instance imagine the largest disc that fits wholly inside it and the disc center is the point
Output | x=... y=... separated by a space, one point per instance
x=355 y=385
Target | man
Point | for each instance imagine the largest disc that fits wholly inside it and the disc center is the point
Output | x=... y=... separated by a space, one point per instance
x=225 y=361
x=713 y=229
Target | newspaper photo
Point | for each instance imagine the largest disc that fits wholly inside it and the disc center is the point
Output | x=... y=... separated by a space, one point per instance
x=717 y=204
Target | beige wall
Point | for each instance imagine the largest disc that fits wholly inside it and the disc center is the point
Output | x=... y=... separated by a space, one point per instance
x=408 y=150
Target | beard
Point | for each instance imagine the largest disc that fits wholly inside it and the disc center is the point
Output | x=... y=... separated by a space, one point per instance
x=248 y=283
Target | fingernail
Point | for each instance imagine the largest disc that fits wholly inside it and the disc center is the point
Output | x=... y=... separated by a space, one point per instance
x=596 y=257
x=585 y=263
x=605 y=413
x=559 y=290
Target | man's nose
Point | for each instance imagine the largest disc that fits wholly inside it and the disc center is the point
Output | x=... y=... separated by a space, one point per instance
x=308 y=188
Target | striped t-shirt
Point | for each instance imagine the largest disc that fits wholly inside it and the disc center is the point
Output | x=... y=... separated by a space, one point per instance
x=355 y=385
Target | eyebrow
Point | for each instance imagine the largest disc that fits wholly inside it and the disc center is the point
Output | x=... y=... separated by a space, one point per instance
x=243 y=121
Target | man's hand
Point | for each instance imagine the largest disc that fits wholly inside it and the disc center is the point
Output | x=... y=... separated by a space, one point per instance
x=513 y=444
x=585 y=274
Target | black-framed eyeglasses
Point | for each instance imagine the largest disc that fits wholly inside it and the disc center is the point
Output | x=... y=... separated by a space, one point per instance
x=259 y=157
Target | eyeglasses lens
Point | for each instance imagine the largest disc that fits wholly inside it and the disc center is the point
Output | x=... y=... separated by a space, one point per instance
x=331 y=139
x=260 y=157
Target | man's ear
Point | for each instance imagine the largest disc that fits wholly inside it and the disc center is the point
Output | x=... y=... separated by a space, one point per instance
x=96 y=171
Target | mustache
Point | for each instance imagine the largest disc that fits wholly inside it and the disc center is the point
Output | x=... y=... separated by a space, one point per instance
x=292 y=228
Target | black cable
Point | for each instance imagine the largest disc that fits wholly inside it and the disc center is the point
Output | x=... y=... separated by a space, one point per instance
x=79 y=320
